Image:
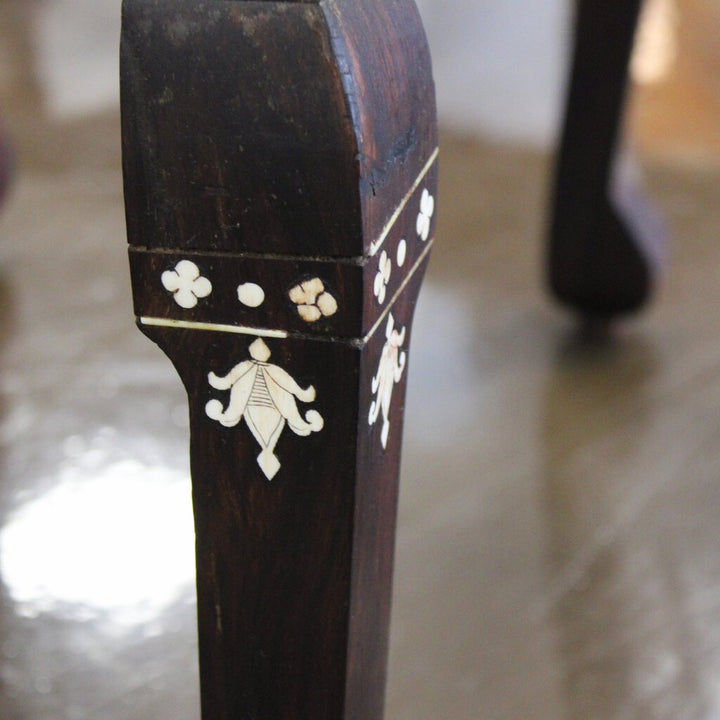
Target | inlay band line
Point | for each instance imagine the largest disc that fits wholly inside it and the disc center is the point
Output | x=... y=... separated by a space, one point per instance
x=273 y=333
x=213 y=327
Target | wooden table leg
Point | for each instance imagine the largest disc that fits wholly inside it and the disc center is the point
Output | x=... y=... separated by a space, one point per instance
x=606 y=243
x=280 y=169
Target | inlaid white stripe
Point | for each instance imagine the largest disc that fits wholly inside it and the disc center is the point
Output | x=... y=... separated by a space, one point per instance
x=213 y=327
x=377 y=244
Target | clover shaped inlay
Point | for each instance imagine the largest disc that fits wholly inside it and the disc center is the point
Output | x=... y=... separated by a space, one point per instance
x=427 y=209
x=382 y=278
x=186 y=284
x=312 y=300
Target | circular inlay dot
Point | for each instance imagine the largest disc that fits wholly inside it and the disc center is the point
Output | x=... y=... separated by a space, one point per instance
x=327 y=304
x=251 y=295
x=309 y=313
x=401 y=253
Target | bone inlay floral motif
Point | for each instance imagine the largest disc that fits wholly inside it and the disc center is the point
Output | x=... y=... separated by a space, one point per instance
x=313 y=300
x=186 y=284
x=389 y=372
x=382 y=277
x=424 y=218
x=265 y=395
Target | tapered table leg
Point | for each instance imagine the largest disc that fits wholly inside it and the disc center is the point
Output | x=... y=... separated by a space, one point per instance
x=606 y=243
x=280 y=165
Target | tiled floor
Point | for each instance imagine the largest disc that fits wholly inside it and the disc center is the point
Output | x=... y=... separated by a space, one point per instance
x=559 y=535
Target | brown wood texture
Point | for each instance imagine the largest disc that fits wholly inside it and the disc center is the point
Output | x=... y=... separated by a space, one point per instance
x=284 y=147
x=606 y=243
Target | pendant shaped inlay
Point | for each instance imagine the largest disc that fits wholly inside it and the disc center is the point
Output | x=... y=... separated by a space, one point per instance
x=266 y=396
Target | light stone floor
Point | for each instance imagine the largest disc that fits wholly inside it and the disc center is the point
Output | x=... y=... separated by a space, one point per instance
x=559 y=533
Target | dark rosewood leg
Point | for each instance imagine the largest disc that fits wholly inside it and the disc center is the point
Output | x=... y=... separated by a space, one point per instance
x=280 y=164
x=605 y=242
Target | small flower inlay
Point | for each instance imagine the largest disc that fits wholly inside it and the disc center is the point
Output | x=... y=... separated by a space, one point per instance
x=390 y=370
x=313 y=300
x=427 y=209
x=266 y=396
x=382 y=278
x=186 y=284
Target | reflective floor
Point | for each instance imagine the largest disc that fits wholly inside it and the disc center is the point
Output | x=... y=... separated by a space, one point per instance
x=559 y=533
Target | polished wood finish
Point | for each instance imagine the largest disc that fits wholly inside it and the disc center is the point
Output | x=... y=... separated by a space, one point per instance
x=606 y=243
x=279 y=146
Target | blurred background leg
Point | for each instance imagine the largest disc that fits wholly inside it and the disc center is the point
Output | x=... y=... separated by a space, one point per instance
x=606 y=242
